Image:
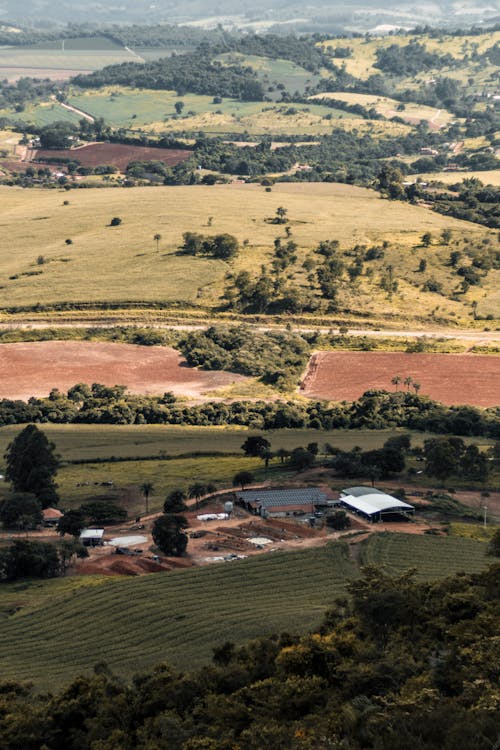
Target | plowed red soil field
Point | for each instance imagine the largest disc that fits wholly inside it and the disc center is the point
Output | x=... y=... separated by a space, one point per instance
x=449 y=378
x=116 y=154
x=33 y=369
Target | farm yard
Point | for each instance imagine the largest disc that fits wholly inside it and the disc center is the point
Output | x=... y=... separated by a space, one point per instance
x=449 y=378
x=115 y=154
x=33 y=369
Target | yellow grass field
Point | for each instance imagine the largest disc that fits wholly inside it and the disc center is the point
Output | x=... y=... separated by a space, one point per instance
x=361 y=64
x=488 y=177
x=121 y=263
x=388 y=107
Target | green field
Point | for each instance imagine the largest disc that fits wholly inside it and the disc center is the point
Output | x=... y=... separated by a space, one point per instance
x=433 y=557
x=130 y=108
x=42 y=114
x=274 y=71
x=62 y=628
x=121 y=263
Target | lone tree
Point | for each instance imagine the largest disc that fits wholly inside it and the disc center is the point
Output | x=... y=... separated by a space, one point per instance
x=256 y=446
x=157 y=238
x=32 y=465
x=175 y=502
x=242 y=479
x=146 y=489
x=168 y=534
x=71 y=523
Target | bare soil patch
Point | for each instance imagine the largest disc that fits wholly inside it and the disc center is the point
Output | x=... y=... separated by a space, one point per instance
x=33 y=369
x=115 y=154
x=449 y=378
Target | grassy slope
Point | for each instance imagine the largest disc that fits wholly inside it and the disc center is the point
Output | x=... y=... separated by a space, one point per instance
x=63 y=628
x=433 y=557
x=121 y=263
x=177 y=617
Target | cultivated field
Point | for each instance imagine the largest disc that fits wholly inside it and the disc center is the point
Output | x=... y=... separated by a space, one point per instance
x=116 y=154
x=63 y=627
x=433 y=557
x=449 y=378
x=119 y=263
x=487 y=177
x=42 y=114
x=33 y=369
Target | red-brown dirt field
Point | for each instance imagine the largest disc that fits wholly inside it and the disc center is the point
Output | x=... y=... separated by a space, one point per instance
x=449 y=378
x=116 y=154
x=33 y=369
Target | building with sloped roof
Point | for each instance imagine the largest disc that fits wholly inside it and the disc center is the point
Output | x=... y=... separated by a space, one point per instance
x=374 y=505
x=275 y=503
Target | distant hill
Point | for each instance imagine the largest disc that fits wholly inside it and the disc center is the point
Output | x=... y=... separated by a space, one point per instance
x=322 y=15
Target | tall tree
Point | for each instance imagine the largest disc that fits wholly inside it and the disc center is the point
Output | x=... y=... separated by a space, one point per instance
x=146 y=489
x=32 y=465
x=168 y=534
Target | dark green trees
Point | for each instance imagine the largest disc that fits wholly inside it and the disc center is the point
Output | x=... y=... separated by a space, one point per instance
x=168 y=534
x=32 y=465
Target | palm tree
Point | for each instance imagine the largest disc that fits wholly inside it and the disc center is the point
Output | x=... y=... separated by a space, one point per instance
x=147 y=489
x=408 y=381
x=417 y=386
x=197 y=490
x=396 y=380
x=157 y=238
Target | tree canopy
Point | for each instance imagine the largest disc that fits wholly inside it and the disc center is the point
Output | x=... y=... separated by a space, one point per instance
x=32 y=465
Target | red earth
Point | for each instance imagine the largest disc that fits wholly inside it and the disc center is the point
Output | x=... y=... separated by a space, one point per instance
x=33 y=369
x=449 y=378
x=115 y=154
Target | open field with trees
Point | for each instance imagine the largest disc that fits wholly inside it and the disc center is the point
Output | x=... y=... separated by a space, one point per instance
x=57 y=240
x=180 y=617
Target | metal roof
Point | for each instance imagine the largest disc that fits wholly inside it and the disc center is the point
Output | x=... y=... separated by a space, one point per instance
x=361 y=491
x=277 y=498
x=92 y=534
x=375 y=503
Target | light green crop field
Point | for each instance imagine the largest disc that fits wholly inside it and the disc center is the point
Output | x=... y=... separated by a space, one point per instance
x=43 y=113
x=62 y=628
x=433 y=557
x=121 y=263
x=45 y=58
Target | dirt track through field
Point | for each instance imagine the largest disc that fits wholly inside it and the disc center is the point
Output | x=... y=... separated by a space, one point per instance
x=33 y=369
x=449 y=378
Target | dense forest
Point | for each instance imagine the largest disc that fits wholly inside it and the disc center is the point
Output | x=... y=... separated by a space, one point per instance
x=395 y=665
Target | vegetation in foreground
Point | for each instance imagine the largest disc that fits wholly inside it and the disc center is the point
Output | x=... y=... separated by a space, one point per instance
x=395 y=665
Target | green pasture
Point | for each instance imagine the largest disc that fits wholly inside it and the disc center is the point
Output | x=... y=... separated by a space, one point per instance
x=62 y=628
x=121 y=263
x=432 y=556
x=130 y=108
x=42 y=114
x=273 y=71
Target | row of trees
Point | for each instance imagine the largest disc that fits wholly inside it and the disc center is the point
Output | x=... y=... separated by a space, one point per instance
x=375 y=409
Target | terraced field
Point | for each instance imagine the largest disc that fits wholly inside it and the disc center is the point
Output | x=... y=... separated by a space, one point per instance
x=175 y=617
x=432 y=557
x=63 y=627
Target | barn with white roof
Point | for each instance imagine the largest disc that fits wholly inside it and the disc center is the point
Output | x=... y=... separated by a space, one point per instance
x=374 y=505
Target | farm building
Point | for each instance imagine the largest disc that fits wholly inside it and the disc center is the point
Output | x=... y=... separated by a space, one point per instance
x=92 y=537
x=51 y=516
x=280 y=503
x=373 y=504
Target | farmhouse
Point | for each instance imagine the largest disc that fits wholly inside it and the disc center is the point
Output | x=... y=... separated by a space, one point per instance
x=92 y=537
x=280 y=503
x=51 y=516
x=374 y=504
